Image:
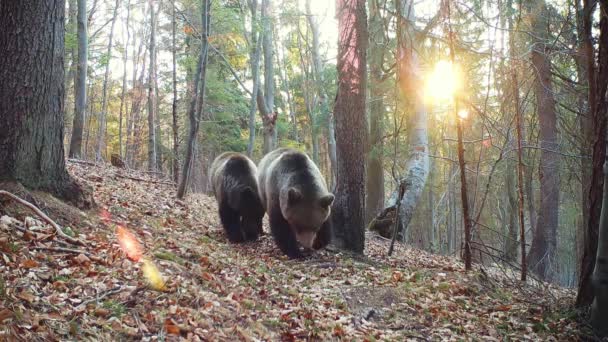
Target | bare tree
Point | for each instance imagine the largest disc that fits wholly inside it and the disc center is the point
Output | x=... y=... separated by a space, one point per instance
x=541 y=257
x=80 y=86
x=103 y=116
x=254 y=57
x=198 y=99
x=124 y=80
x=174 y=103
x=265 y=97
x=152 y=158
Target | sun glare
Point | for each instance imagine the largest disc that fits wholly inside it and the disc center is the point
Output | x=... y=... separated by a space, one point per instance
x=442 y=82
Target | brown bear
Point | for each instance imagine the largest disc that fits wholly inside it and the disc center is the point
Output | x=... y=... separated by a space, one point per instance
x=233 y=178
x=297 y=201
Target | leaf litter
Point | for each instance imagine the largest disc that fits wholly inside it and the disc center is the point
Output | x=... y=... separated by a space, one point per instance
x=157 y=268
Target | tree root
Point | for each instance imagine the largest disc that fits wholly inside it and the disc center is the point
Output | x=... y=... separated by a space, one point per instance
x=44 y=217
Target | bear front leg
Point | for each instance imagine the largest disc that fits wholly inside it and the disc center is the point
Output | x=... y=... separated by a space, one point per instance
x=283 y=236
x=231 y=221
x=323 y=237
x=251 y=227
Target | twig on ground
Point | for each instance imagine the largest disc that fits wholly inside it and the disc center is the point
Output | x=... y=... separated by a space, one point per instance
x=44 y=217
x=144 y=180
x=103 y=295
x=68 y=250
x=78 y=161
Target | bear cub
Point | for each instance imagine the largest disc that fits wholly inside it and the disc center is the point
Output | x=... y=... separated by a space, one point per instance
x=233 y=179
x=297 y=201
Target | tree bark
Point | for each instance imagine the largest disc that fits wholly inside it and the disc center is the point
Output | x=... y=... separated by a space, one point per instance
x=265 y=97
x=351 y=126
x=80 y=86
x=31 y=99
x=254 y=56
x=152 y=92
x=374 y=184
x=409 y=78
x=198 y=100
x=103 y=116
x=124 y=81
x=598 y=114
x=175 y=159
x=543 y=250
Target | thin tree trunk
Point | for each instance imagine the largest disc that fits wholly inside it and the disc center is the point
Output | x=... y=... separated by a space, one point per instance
x=174 y=104
x=543 y=250
x=351 y=126
x=254 y=56
x=375 y=173
x=31 y=100
x=597 y=114
x=103 y=116
x=520 y=164
x=152 y=92
x=80 y=86
x=124 y=81
x=265 y=98
x=198 y=100
x=71 y=51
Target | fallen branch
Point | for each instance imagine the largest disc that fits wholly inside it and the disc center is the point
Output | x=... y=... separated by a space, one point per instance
x=68 y=250
x=78 y=161
x=144 y=180
x=44 y=217
x=103 y=295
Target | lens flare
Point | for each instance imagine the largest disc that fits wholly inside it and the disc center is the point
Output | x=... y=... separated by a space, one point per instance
x=443 y=82
x=463 y=114
x=129 y=244
x=152 y=275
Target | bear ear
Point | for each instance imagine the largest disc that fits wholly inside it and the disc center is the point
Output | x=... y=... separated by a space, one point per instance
x=326 y=200
x=293 y=195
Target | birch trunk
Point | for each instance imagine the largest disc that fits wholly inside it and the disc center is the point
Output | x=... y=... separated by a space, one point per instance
x=409 y=78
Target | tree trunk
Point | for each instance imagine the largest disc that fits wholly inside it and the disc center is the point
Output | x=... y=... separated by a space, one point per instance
x=374 y=184
x=351 y=126
x=409 y=78
x=198 y=99
x=331 y=145
x=80 y=86
x=520 y=164
x=175 y=159
x=254 y=56
x=152 y=92
x=599 y=309
x=133 y=124
x=598 y=114
x=543 y=250
x=124 y=81
x=266 y=101
x=31 y=100
x=71 y=51
x=103 y=116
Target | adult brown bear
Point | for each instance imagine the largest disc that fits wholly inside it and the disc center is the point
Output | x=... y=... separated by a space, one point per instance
x=233 y=178
x=296 y=199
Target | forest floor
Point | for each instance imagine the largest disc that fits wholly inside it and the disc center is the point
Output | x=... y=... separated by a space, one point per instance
x=217 y=291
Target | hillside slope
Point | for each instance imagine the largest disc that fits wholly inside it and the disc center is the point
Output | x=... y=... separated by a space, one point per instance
x=216 y=291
